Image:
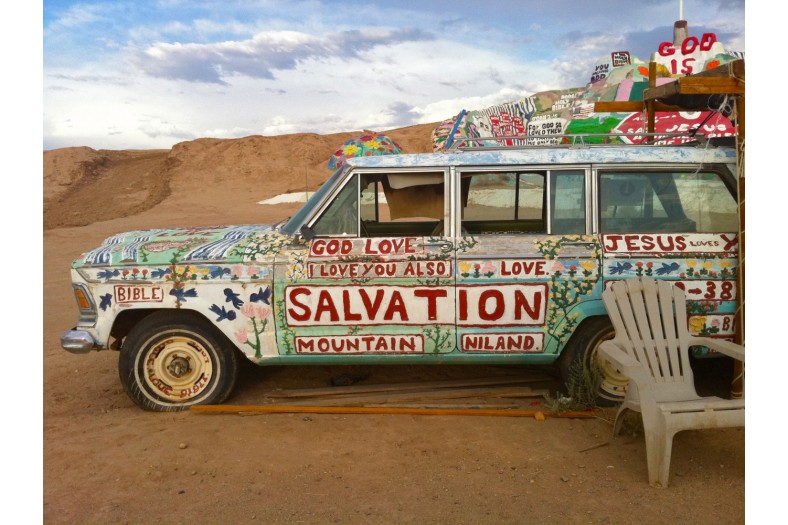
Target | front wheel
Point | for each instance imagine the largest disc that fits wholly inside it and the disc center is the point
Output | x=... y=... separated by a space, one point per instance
x=170 y=362
x=583 y=347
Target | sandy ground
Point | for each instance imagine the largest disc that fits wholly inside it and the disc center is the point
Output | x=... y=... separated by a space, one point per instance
x=106 y=461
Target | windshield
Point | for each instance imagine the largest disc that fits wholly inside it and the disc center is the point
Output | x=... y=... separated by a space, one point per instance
x=294 y=224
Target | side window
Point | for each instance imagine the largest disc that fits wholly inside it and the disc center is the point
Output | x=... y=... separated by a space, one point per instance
x=501 y=203
x=402 y=204
x=568 y=202
x=341 y=215
x=665 y=202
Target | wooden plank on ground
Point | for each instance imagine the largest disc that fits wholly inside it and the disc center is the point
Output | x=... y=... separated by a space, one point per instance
x=405 y=387
x=422 y=395
x=271 y=409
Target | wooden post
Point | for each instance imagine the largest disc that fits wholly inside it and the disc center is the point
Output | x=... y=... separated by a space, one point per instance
x=737 y=386
x=652 y=83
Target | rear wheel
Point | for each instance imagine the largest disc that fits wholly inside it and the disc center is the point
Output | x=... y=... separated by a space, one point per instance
x=170 y=362
x=583 y=347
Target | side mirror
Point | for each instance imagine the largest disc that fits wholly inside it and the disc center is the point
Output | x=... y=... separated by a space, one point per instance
x=307 y=233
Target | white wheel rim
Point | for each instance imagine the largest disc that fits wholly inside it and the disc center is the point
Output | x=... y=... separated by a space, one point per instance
x=614 y=385
x=177 y=369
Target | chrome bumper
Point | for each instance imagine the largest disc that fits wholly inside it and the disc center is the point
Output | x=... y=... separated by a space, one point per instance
x=78 y=342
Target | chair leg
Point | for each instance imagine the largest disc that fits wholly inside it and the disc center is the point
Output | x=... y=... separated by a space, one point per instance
x=618 y=423
x=664 y=470
x=659 y=445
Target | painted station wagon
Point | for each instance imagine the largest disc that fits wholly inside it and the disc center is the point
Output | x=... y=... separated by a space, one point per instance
x=496 y=256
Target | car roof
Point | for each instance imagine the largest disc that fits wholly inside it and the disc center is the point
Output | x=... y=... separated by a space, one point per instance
x=587 y=154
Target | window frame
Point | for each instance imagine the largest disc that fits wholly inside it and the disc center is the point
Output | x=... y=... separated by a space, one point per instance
x=597 y=170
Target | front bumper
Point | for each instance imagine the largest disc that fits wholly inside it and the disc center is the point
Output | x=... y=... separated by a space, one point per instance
x=78 y=342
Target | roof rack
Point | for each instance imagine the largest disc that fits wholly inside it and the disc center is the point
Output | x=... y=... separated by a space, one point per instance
x=578 y=140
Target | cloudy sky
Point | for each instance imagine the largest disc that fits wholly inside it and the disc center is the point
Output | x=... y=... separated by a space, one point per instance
x=149 y=74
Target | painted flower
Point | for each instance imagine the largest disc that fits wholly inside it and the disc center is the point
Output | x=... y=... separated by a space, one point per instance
x=252 y=270
x=237 y=270
x=262 y=312
x=350 y=150
x=465 y=267
x=708 y=265
x=692 y=264
x=488 y=268
x=248 y=310
x=241 y=336
x=725 y=264
x=588 y=265
x=696 y=324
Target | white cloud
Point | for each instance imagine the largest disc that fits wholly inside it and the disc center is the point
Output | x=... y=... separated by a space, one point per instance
x=201 y=69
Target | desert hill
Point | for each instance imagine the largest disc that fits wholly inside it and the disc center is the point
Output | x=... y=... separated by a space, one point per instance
x=223 y=176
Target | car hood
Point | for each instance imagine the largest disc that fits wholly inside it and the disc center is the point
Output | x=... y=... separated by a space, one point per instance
x=224 y=244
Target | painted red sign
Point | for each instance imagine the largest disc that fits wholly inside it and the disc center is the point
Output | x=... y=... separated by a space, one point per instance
x=717 y=125
x=503 y=342
x=692 y=54
x=138 y=294
x=515 y=304
x=369 y=246
x=666 y=243
x=360 y=344
x=356 y=270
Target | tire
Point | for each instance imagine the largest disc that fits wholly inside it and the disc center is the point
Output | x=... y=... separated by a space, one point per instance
x=170 y=362
x=583 y=346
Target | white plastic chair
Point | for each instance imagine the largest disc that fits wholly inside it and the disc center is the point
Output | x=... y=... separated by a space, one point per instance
x=651 y=348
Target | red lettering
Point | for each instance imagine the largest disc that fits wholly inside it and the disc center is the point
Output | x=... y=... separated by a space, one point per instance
x=707 y=40
x=371 y=308
x=611 y=242
x=121 y=294
x=305 y=312
x=730 y=242
x=349 y=316
x=666 y=49
x=632 y=243
x=499 y=306
x=332 y=247
x=318 y=247
x=521 y=305
x=431 y=295
x=687 y=63
x=689 y=45
x=326 y=305
x=665 y=245
x=462 y=299
x=396 y=305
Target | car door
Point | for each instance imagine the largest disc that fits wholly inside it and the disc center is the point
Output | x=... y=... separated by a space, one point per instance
x=376 y=277
x=676 y=223
x=525 y=261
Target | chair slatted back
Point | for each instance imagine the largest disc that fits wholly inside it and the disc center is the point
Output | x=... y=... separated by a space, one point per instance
x=650 y=319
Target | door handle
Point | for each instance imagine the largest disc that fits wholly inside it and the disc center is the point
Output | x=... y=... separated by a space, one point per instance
x=439 y=244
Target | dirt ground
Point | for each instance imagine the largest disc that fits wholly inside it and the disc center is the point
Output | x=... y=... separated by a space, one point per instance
x=105 y=461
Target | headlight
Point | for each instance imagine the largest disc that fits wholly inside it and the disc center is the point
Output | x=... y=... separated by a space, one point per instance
x=87 y=308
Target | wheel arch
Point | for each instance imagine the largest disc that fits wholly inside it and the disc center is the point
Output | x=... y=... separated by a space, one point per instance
x=128 y=319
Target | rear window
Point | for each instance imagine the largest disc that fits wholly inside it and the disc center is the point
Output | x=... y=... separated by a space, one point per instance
x=665 y=202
